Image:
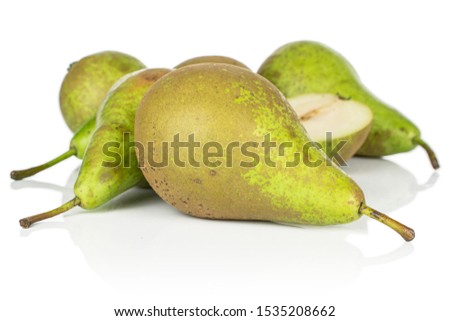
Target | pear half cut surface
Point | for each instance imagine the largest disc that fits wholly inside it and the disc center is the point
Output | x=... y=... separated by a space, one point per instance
x=305 y=67
x=338 y=124
x=223 y=107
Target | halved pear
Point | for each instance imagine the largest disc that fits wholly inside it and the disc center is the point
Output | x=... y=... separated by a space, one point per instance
x=331 y=119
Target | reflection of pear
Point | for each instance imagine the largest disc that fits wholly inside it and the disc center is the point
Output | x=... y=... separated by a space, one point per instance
x=134 y=249
x=169 y=251
x=16 y=185
x=386 y=185
x=66 y=190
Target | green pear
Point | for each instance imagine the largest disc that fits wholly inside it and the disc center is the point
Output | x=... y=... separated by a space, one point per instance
x=221 y=142
x=306 y=67
x=87 y=82
x=339 y=126
x=81 y=94
x=109 y=165
x=211 y=59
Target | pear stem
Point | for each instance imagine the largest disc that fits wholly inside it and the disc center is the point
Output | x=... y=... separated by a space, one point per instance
x=430 y=152
x=28 y=221
x=404 y=231
x=21 y=174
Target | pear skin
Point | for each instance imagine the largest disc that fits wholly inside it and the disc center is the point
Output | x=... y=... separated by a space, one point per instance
x=309 y=67
x=97 y=183
x=228 y=105
x=87 y=82
x=101 y=178
x=211 y=59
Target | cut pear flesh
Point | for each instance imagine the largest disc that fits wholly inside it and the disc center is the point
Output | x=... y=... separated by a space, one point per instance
x=344 y=118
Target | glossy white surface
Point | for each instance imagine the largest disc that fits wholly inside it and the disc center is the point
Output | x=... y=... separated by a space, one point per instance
x=136 y=251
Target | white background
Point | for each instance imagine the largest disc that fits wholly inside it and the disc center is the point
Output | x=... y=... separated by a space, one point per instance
x=137 y=251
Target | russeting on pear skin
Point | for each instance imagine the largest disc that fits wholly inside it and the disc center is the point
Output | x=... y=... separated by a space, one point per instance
x=306 y=67
x=82 y=91
x=226 y=117
x=110 y=165
x=211 y=59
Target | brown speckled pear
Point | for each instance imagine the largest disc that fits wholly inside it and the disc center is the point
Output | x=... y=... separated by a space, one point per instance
x=223 y=107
